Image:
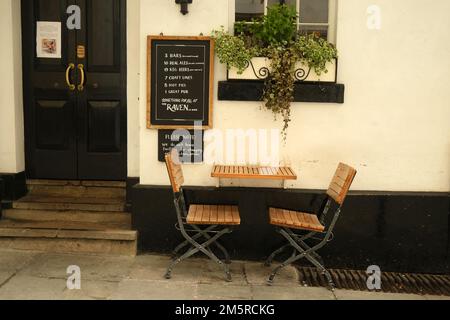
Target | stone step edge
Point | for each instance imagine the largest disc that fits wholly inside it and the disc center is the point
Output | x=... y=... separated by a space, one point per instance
x=55 y=212
x=71 y=246
x=77 y=183
x=66 y=216
x=115 y=235
x=62 y=206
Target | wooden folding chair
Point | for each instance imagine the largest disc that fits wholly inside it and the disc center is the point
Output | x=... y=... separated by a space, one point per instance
x=201 y=225
x=298 y=227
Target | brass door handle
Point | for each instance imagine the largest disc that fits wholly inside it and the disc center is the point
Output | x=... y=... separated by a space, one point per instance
x=69 y=68
x=81 y=85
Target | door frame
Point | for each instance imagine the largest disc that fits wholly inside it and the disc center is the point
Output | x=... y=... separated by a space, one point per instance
x=28 y=60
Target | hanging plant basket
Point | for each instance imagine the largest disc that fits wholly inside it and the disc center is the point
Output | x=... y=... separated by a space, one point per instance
x=259 y=69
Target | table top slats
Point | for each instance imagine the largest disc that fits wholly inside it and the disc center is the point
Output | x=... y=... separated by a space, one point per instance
x=253 y=172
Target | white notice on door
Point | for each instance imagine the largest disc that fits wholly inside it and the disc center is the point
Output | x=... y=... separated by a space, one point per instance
x=48 y=39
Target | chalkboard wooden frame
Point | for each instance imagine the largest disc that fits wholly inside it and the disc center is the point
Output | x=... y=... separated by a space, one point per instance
x=175 y=124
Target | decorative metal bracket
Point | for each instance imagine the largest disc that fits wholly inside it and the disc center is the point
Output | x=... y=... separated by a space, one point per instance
x=184 y=5
x=300 y=74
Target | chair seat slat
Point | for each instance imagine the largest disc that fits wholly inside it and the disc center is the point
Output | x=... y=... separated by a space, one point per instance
x=213 y=214
x=295 y=220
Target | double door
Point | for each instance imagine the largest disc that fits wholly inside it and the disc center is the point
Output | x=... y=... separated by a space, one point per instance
x=75 y=95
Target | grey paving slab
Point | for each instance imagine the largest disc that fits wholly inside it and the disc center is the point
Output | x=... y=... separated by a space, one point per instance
x=154 y=267
x=365 y=295
x=433 y=297
x=154 y=290
x=32 y=288
x=91 y=290
x=5 y=276
x=290 y=293
x=219 y=291
x=15 y=260
x=35 y=276
x=214 y=273
x=257 y=274
x=50 y=265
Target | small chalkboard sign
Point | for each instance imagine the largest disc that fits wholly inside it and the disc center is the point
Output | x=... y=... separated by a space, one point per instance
x=180 y=82
x=190 y=144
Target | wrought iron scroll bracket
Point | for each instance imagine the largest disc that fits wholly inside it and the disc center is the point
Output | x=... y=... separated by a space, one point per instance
x=262 y=73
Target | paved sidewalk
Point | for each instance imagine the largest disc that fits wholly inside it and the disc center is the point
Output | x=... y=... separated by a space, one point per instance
x=36 y=276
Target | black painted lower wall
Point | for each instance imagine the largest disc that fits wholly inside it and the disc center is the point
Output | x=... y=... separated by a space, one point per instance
x=131 y=182
x=244 y=90
x=400 y=232
x=2 y=188
x=14 y=186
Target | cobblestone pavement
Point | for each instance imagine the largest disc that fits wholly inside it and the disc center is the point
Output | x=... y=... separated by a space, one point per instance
x=37 y=276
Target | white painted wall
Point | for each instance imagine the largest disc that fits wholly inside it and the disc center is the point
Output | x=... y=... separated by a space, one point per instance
x=11 y=104
x=394 y=126
x=133 y=78
x=162 y=16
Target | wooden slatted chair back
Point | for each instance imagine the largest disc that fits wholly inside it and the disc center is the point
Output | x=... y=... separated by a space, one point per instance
x=341 y=183
x=175 y=171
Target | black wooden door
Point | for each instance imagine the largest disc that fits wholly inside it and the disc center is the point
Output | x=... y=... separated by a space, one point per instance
x=76 y=129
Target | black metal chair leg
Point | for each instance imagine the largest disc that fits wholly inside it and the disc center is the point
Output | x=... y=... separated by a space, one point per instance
x=327 y=274
x=269 y=260
x=221 y=263
x=313 y=253
x=203 y=233
x=225 y=253
x=289 y=261
x=188 y=254
x=283 y=265
x=204 y=248
x=194 y=237
x=302 y=254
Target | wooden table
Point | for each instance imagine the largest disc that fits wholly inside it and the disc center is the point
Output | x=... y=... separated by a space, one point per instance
x=253 y=172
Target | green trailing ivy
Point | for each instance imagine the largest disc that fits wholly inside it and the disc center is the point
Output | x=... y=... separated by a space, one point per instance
x=279 y=85
x=315 y=52
x=275 y=36
x=232 y=51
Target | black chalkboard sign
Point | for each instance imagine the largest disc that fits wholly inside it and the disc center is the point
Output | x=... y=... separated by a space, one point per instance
x=190 y=144
x=180 y=82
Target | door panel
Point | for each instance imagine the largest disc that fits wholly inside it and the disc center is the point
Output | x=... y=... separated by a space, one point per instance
x=53 y=10
x=51 y=117
x=102 y=103
x=104 y=126
x=103 y=23
x=79 y=134
x=49 y=105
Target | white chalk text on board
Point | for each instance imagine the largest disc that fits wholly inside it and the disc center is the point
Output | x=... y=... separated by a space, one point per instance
x=180 y=82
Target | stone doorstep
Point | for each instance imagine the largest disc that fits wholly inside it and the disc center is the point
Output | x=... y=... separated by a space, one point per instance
x=64 y=225
x=119 y=207
x=67 y=216
x=111 y=184
x=77 y=191
x=125 y=235
x=36 y=198
x=113 y=242
x=71 y=246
